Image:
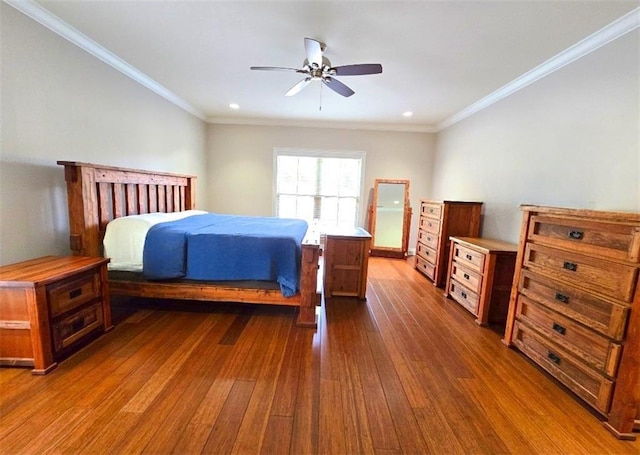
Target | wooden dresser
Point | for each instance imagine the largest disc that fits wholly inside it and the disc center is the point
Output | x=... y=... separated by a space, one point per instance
x=438 y=221
x=49 y=306
x=480 y=276
x=346 y=260
x=575 y=306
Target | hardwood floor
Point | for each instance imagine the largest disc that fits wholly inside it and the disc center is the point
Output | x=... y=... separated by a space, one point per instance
x=407 y=371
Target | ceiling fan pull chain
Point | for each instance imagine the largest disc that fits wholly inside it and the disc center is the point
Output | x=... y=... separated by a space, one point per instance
x=320 y=109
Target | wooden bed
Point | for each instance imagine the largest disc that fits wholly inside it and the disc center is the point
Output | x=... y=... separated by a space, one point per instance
x=98 y=194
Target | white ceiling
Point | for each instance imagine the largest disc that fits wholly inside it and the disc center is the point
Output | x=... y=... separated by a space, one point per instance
x=439 y=57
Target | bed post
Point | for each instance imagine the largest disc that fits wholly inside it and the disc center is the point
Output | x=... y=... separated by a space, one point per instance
x=308 y=285
x=84 y=236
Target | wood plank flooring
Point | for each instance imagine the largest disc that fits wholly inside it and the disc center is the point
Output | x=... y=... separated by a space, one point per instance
x=407 y=371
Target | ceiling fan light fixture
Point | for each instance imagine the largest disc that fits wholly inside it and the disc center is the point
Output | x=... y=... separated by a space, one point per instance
x=316 y=67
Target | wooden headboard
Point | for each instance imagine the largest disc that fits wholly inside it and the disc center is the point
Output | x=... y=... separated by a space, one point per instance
x=98 y=194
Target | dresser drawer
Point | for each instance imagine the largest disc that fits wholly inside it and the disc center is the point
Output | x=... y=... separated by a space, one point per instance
x=431 y=225
x=469 y=279
x=72 y=328
x=607 y=278
x=591 y=347
x=431 y=210
x=606 y=317
x=429 y=239
x=613 y=240
x=464 y=296
x=425 y=267
x=470 y=258
x=592 y=387
x=70 y=294
x=426 y=253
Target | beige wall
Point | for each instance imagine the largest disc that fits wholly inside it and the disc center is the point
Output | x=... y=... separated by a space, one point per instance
x=240 y=162
x=60 y=103
x=570 y=139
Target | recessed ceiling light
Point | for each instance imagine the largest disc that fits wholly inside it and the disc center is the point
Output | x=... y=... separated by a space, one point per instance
x=407 y=114
x=234 y=106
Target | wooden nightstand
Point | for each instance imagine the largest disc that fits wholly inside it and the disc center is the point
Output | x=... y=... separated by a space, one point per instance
x=49 y=306
x=346 y=259
x=480 y=276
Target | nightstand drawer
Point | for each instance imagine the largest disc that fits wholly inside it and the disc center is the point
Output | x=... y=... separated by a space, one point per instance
x=613 y=240
x=67 y=295
x=68 y=330
x=464 y=296
x=466 y=277
x=592 y=387
x=592 y=348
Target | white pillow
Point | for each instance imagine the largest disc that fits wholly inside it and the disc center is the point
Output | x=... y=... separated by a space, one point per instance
x=124 y=237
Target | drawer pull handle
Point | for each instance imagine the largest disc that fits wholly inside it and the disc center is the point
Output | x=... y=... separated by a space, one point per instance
x=576 y=235
x=430 y=210
x=553 y=357
x=464 y=295
x=75 y=293
x=571 y=266
x=558 y=328
x=466 y=276
x=562 y=298
x=469 y=257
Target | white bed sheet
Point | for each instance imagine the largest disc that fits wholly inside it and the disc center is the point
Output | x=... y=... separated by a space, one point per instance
x=124 y=238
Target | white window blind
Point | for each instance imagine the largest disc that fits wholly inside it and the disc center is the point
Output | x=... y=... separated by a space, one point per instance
x=320 y=187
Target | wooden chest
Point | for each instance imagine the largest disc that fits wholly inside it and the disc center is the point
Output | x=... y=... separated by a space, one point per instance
x=438 y=221
x=48 y=306
x=575 y=306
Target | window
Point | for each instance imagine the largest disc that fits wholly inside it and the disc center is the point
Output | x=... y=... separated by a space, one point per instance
x=321 y=187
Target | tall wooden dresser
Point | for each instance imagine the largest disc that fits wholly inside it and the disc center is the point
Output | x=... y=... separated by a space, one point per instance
x=575 y=306
x=438 y=221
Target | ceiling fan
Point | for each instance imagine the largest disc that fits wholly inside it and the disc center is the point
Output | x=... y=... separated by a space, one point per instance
x=317 y=67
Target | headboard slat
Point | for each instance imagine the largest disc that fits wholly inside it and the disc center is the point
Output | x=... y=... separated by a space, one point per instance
x=153 y=198
x=143 y=198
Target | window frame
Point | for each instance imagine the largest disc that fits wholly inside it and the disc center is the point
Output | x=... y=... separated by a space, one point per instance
x=319 y=153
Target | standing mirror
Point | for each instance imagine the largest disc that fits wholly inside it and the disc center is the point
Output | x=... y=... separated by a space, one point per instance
x=390 y=218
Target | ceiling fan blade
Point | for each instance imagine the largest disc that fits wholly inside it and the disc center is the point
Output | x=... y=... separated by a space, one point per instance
x=314 y=51
x=299 y=86
x=275 y=68
x=357 y=70
x=338 y=87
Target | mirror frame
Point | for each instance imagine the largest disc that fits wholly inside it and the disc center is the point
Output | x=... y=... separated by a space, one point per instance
x=406 y=222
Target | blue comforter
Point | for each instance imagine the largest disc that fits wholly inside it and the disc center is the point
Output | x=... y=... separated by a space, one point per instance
x=226 y=248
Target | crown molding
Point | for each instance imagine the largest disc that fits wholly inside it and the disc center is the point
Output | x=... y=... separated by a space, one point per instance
x=397 y=127
x=58 y=26
x=613 y=31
